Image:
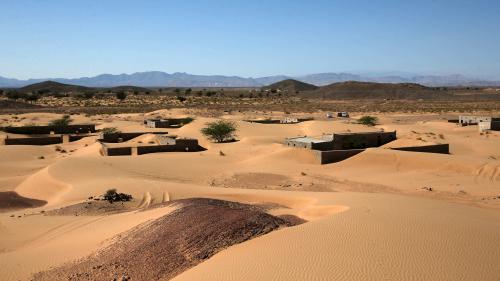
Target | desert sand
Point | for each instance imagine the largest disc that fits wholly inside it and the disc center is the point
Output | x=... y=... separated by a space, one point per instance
x=370 y=217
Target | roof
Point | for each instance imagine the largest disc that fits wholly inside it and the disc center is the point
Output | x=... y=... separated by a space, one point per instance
x=363 y=133
x=308 y=140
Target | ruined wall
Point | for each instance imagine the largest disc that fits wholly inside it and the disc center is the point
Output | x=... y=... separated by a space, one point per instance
x=298 y=144
x=181 y=145
x=34 y=140
x=117 y=137
x=167 y=123
x=495 y=126
x=323 y=146
x=116 y=151
x=45 y=130
x=362 y=140
x=473 y=120
x=333 y=156
x=434 y=148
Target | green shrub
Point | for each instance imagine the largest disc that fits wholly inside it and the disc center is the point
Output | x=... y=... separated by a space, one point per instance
x=368 y=120
x=110 y=130
x=63 y=121
x=220 y=131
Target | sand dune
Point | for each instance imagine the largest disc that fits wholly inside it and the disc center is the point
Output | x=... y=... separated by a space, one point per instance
x=422 y=240
x=380 y=215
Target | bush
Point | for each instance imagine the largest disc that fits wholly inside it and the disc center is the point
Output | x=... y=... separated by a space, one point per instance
x=220 y=131
x=187 y=120
x=64 y=121
x=121 y=95
x=112 y=196
x=368 y=120
x=110 y=130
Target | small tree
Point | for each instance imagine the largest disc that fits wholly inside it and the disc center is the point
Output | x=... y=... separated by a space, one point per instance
x=220 y=131
x=121 y=95
x=368 y=120
x=64 y=121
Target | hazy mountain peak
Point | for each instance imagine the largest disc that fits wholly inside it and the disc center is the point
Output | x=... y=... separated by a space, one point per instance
x=183 y=79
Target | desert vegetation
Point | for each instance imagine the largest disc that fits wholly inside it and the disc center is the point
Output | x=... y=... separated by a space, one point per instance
x=220 y=131
x=112 y=195
x=368 y=120
x=63 y=121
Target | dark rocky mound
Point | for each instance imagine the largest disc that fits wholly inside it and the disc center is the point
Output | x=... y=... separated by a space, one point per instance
x=10 y=200
x=291 y=86
x=53 y=87
x=93 y=208
x=166 y=247
x=371 y=90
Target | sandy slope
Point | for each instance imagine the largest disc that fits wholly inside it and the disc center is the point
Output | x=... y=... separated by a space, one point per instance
x=381 y=237
x=369 y=234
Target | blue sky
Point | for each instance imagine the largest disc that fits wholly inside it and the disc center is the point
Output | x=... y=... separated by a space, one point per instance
x=68 y=39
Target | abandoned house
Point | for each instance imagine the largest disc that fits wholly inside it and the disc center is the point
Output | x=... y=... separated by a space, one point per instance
x=167 y=123
x=489 y=126
x=341 y=141
x=121 y=137
x=286 y=120
x=161 y=143
x=337 y=147
x=47 y=130
x=46 y=135
x=465 y=120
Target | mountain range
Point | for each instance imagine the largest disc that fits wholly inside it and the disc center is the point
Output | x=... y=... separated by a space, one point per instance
x=163 y=79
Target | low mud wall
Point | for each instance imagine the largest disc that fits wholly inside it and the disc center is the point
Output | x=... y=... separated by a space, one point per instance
x=43 y=130
x=332 y=156
x=116 y=151
x=34 y=140
x=434 y=148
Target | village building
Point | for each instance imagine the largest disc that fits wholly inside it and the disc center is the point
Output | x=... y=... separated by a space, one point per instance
x=466 y=120
x=489 y=126
x=161 y=143
x=340 y=141
x=167 y=123
x=46 y=135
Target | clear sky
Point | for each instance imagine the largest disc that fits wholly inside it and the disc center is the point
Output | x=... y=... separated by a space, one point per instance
x=59 y=38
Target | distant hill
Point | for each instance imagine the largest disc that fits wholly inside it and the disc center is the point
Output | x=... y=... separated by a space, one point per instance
x=291 y=86
x=54 y=87
x=162 y=79
x=371 y=90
